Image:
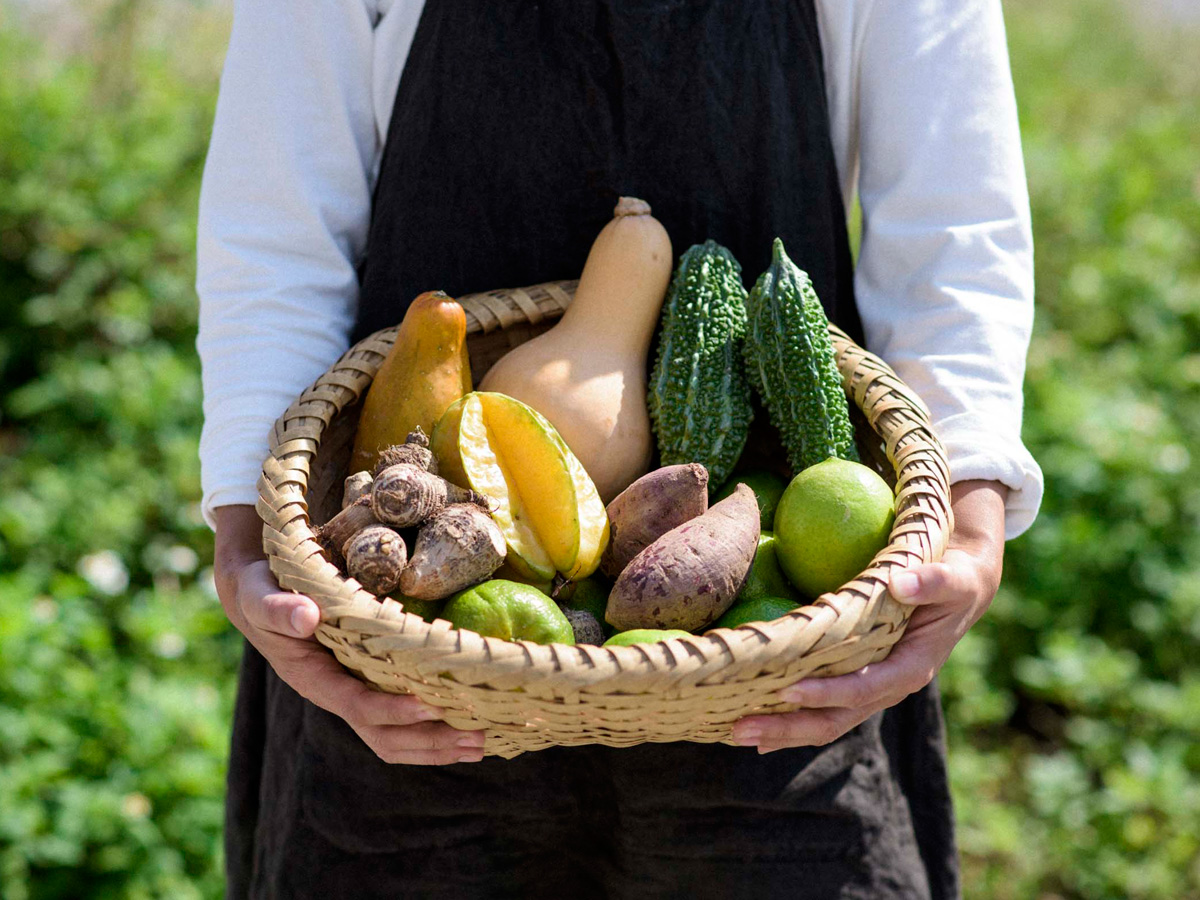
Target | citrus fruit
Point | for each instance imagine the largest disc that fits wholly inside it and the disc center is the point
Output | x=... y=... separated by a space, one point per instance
x=426 y=609
x=762 y=609
x=589 y=595
x=509 y=610
x=766 y=578
x=768 y=488
x=832 y=519
x=644 y=636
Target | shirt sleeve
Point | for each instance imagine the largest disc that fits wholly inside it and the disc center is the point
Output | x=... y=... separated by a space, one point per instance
x=284 y=210
x=945 y=273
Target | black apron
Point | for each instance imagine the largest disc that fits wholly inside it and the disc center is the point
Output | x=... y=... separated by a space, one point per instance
x=516 y=126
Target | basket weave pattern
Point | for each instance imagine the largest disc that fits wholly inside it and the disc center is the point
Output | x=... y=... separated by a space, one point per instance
x=529 y=696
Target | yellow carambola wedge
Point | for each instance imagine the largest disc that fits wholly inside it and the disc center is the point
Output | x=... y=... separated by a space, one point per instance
x=573 y=533
x=489 y=475
x=551 y=513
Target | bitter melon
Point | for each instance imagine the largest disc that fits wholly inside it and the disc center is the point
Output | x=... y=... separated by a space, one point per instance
x=791 y=363
x=699 y=399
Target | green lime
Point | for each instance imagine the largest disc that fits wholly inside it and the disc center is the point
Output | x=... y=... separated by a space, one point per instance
x=644 y=636
x=832 y=519
x=590 y=595
x=766 y=578
x=768 y=488
x=761 y=609
x=426 y=609
x=509 y=610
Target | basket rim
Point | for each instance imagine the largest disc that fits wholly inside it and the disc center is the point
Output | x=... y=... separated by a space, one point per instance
x=919 y=534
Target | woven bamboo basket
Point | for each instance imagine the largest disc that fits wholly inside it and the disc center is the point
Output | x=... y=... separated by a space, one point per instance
x=529 y=696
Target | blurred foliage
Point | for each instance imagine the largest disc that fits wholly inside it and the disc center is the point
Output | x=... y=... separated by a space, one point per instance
x=117 y=676
x=1073 y=707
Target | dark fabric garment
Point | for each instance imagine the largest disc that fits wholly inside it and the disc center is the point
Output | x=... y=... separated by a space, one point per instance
x=516 y=127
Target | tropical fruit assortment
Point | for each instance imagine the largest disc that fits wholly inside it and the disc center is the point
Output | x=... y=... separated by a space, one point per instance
x=532 y=508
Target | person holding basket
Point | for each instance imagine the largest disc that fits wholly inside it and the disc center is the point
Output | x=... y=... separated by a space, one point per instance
x=365 y=151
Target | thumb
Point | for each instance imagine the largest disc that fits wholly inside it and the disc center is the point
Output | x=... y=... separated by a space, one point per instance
x=265 y=606
x=931 y=582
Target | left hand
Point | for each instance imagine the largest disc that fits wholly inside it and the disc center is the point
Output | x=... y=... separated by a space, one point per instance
x=950 y=596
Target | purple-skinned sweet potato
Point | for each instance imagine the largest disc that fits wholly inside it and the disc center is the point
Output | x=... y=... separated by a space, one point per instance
x=649 y=508
x=692 y=574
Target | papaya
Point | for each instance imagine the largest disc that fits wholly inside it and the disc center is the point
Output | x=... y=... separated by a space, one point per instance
x=425 y=371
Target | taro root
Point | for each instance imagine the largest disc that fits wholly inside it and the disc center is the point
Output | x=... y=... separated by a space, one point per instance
x=457 y=548
x=355 y=486
x=415 y=451
x=587 y=627
x=354 y=518
x=406 y=495
x=376 y=556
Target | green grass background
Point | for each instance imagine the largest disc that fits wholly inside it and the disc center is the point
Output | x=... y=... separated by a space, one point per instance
x=1074 y=707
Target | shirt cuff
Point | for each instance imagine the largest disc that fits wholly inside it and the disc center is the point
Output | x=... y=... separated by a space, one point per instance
x=977 y=452
x=231 y=459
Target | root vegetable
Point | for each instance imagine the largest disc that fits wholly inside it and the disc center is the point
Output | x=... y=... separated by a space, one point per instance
x=649 y=508
x=415 y=450
x=587 y=627
x=457 y=548
x=692 y=574
x=376 y=556
x=406 y=495
x=334 y=533
x=356 y=485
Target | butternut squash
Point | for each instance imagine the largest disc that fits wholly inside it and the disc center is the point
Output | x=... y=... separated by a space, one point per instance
x=426 y=370
x=587 y=374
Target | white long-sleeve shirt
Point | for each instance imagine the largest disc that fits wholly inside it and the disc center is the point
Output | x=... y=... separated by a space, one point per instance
x=924 y=128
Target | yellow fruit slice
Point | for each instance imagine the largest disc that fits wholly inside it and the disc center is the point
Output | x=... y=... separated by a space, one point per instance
x=593 y=520
x=443 y=443
x=537 y=458
x=489 y=474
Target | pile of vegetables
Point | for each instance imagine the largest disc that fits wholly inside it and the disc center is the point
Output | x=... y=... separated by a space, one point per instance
x=532 y=511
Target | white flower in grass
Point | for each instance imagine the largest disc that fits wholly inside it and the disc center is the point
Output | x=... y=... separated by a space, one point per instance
x=169 y=645
x=105 y=571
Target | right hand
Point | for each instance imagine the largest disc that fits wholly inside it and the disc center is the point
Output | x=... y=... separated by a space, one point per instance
x=280 y=624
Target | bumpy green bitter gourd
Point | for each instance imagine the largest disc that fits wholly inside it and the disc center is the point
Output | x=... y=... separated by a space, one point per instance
x=699 y=399
x=791 y=363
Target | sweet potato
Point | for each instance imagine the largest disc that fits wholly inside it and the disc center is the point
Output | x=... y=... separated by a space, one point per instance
x=458 y=547
x=692 y=574
x=649 y=508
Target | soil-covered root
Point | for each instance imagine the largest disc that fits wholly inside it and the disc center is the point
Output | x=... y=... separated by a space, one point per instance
x=376 y=557
x=351 y=520
x=405 y=495
x=415 y=451
x=455 y=549
x=355 y=486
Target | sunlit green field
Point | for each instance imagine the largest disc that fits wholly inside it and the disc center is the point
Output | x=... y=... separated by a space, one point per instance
x=1074 y=707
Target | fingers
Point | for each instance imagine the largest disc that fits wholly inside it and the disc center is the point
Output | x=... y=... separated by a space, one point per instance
x=430 y=744
x=399 y=728
x=264 y=606
x=878 y=685
x=804 y=728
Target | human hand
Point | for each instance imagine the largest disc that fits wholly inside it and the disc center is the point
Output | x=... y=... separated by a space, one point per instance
x=280 y=625
x=950 y=596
